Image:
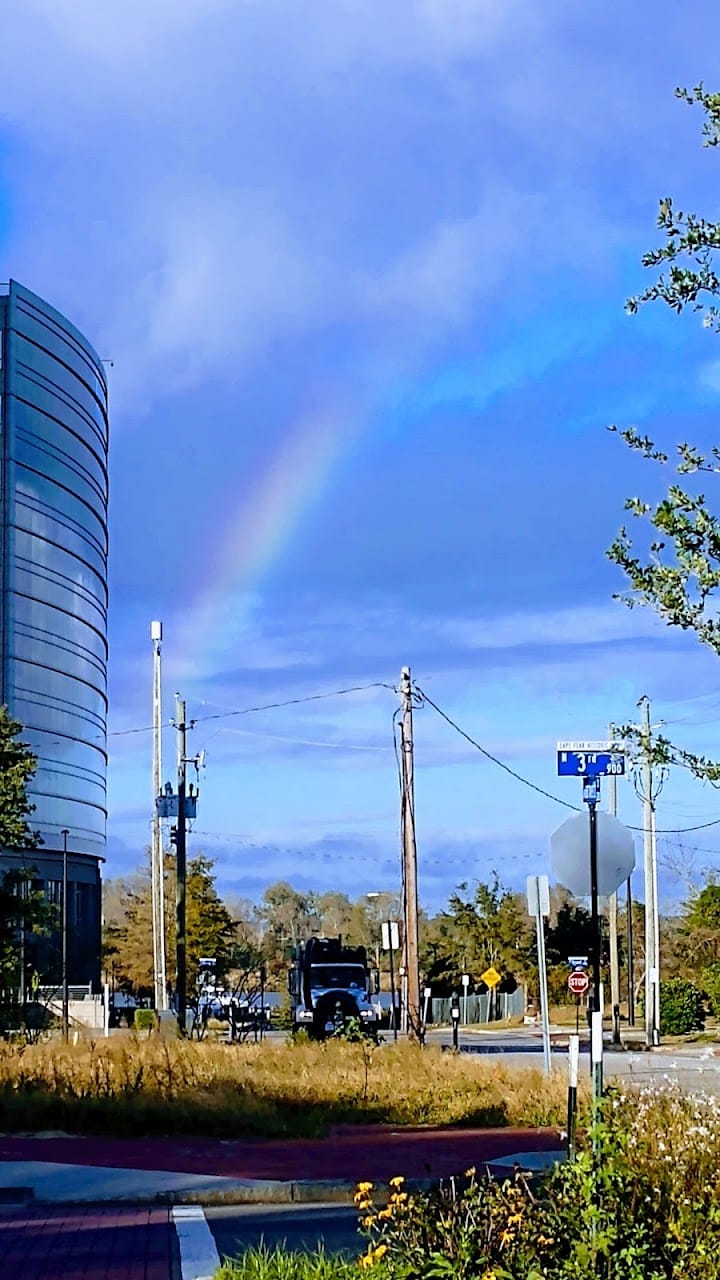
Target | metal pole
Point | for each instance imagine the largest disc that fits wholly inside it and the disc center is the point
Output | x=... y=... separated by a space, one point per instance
x=542 y=972
x=181 y=871
x=650 y=940
x=655 y=975
x=596 y=1015
x=631 y=955
x=412 y=966
x=156 y=853
x=613 y=918
x=65 y=1004
x=573 y=1060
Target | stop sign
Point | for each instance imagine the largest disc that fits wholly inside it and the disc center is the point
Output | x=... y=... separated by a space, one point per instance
x=578 y=982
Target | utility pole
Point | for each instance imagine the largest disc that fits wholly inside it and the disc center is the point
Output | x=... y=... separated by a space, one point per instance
x=631 y=955
x=181 y=869
x=652 y=948
x=613 y=917
x=156 y=854
x=409 y=855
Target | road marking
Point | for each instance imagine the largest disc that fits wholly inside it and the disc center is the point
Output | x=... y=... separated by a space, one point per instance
x=199 y=1258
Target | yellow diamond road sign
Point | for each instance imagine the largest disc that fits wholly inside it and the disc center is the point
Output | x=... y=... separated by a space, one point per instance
x=490 y=977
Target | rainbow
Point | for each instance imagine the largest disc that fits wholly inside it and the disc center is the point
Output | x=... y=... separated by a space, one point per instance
x=259 y=528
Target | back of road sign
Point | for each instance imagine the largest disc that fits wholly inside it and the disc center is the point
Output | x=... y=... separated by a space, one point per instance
x=570 y=854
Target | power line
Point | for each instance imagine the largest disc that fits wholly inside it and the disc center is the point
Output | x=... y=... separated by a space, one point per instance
x=669 y=831
x=268 y=706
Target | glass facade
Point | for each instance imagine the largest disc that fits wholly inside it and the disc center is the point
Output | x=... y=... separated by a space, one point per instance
x=53 y=564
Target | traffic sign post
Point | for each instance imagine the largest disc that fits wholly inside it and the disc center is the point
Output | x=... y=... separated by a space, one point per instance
x=569 y=849
x=455 y=1017
x=466 y=983
x=538 y=899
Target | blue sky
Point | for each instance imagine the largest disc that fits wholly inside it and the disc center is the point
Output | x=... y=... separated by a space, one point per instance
x=361 y=270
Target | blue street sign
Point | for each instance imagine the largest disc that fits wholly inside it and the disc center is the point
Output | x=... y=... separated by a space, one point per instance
x=573 y=763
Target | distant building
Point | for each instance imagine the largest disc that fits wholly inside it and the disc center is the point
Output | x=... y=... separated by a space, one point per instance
x=53 y=601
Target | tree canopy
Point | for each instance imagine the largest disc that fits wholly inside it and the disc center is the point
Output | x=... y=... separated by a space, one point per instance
x=677 y=569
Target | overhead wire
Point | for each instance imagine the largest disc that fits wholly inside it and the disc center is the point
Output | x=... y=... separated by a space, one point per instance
x=701 y=826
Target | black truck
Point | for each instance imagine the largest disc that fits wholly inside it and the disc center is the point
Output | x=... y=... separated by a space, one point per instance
x=330 y=987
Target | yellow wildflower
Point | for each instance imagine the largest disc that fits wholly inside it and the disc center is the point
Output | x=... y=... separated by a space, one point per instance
x=397 y=1181
x=398 y=1197
x=371 y=1219
x=363 y=1205
x=363 y=1187
x=544 y=1241
x=379 y=1252
x=514 y=1219
x=506 y=1237
x=470 y=1173
x=366 y=1261
x=386 y=1213
x=489 y=1275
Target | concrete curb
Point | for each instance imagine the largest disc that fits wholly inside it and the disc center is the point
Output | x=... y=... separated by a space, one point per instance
x=276 y=1191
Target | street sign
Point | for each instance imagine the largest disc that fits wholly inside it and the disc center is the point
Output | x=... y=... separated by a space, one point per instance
x=570 y=854
x=390 y=935
x=465 y=979
x=589 y=760
x=578 y=962
x=538 y=896
x=490 y=977
x=578 y=982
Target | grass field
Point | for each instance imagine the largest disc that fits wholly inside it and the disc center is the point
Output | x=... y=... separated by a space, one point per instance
x=149 y=1086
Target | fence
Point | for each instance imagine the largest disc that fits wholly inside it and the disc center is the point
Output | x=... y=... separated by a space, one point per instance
x=508 y=1006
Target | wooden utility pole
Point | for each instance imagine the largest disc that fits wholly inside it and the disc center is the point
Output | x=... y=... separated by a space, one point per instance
x=181 y=868
x=409 y=855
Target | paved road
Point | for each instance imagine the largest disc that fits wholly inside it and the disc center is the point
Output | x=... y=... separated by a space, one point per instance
x=301 y=1227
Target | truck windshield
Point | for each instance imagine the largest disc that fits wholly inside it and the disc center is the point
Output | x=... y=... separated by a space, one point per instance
x=343 y=976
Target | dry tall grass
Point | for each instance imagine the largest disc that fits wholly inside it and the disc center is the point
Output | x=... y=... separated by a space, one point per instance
x=150 y=1086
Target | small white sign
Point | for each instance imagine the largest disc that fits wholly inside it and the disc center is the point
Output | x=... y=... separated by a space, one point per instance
x=466 y=979
x=586 y=746
x=390 y=935
x=538 y=896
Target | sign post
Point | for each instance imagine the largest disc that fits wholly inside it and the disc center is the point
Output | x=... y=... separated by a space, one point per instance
x=611 y=860
x=466 y=983
x=538 y=901
x=390 y=942
x=455 y=1017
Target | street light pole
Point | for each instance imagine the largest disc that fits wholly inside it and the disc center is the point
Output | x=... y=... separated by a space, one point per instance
x=65 y=1007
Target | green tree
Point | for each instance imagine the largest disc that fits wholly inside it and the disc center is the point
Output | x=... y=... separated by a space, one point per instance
x=677 y=570
x=17 y=768
x=483 y=928
x=289 y=916
x=211 y=930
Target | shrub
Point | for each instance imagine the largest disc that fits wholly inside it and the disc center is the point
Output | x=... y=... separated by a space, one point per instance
x=681 y=1007
x=711 y=987
x=145 y=1020
x=645 y=1207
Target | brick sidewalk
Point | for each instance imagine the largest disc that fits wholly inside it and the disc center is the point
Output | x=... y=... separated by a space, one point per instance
x=86 y=1244
x=354 y=1152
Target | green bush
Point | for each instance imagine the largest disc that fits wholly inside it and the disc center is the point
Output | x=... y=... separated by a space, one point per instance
x=681 y=1007
x=145 y=1020
x=711 y=987
x=644 y=1206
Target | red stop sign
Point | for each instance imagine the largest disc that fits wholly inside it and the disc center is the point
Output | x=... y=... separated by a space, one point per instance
x=578 y=982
